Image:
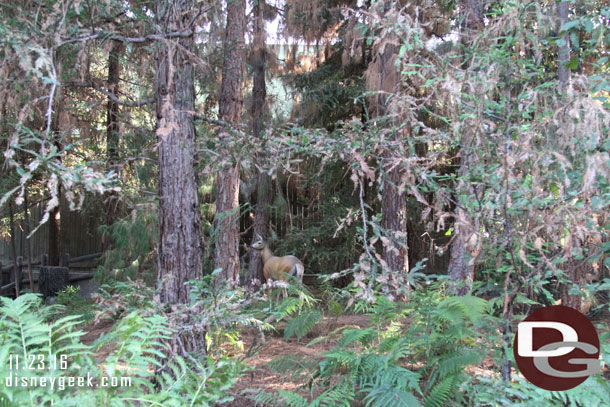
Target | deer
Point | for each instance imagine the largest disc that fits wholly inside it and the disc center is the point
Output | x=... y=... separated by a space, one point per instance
x=277 y=268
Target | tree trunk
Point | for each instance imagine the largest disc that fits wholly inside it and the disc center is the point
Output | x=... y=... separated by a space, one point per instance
x=112 y=131
x=258 y=109
x=55 y=214
x=394 y=220
x=16 y=268
x=180 y=240
x=564 y=49
x=54 y=230
x=226 y=254
x=461 y=262
x=383 y=78
x=26 y=231
x=226 y=226
x=261 y=228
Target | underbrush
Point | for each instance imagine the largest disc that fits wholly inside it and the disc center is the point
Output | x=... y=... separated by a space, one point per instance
x=433 y=351
x=43 y=357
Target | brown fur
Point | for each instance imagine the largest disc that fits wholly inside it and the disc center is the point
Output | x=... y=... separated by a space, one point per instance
x=277 y=268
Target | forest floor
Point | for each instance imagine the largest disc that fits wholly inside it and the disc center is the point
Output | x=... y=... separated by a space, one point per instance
x=260 y=376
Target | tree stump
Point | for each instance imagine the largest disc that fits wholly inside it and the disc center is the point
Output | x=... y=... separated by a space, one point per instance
x=51 y=280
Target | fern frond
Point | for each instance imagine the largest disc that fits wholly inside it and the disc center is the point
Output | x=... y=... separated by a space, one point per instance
x=341 y=396
x=440 y=394
x=467 y=306
x=298 y=368
x=364 y=336
x=450 y=364
x=388 y=396
x=302 y=325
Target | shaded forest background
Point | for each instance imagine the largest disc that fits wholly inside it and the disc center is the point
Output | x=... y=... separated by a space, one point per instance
x=441 y=167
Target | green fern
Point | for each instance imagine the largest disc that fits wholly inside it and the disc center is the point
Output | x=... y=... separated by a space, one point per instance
x=441 y=392
x=302 y=324
x=342 y=395
x=387 y=396
x=27 y=328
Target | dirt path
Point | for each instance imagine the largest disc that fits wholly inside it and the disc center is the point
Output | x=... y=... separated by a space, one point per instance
x=262 y=377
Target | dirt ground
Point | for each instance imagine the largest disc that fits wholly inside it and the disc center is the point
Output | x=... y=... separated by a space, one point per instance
x=262 y=377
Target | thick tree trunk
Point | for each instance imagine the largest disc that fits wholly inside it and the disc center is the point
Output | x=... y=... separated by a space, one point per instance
x=180 y=245
x=263 y=182
x=226 y=254
x=112 y=130
x=226 y=226
x=261 y=228
x=461 y=262
x=394 y=220
x=383 y=78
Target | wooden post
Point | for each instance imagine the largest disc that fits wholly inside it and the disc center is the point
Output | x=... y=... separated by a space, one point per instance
x=13 y=248
x=65 y=260
x=3 y=282
x=26 y=219
x=44 y=260
x=18 y=265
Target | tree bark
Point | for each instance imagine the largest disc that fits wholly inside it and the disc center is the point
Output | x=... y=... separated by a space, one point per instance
x=26 y=231
x=180 y=240
x=226 y=254
x=55 y=213
x=461 y=262
x=564 y=49
x=383 y=78
x=112 y=130
x=16 y=268
x=54 y=231
x=258 y=109
x=394 y=220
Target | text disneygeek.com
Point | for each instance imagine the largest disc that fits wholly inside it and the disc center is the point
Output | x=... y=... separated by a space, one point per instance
x=18 y=366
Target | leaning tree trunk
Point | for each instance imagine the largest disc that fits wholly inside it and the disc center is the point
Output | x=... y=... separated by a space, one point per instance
x=226 y=255
x=463 y=250
x=180 y=244
x=258 y=108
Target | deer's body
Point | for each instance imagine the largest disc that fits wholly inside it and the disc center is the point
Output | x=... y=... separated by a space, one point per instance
x=277 y=268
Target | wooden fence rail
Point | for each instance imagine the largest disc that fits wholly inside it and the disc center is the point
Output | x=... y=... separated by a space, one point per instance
x=17 y=271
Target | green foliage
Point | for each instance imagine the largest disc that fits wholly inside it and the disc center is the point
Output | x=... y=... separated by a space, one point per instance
x=302 y=324
x=118 y=298
x=441 y=335
x=133 y=244
x=223 y=310
x=492 y=392
x=70 y=298
x=329 y=92
x=26 y=330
